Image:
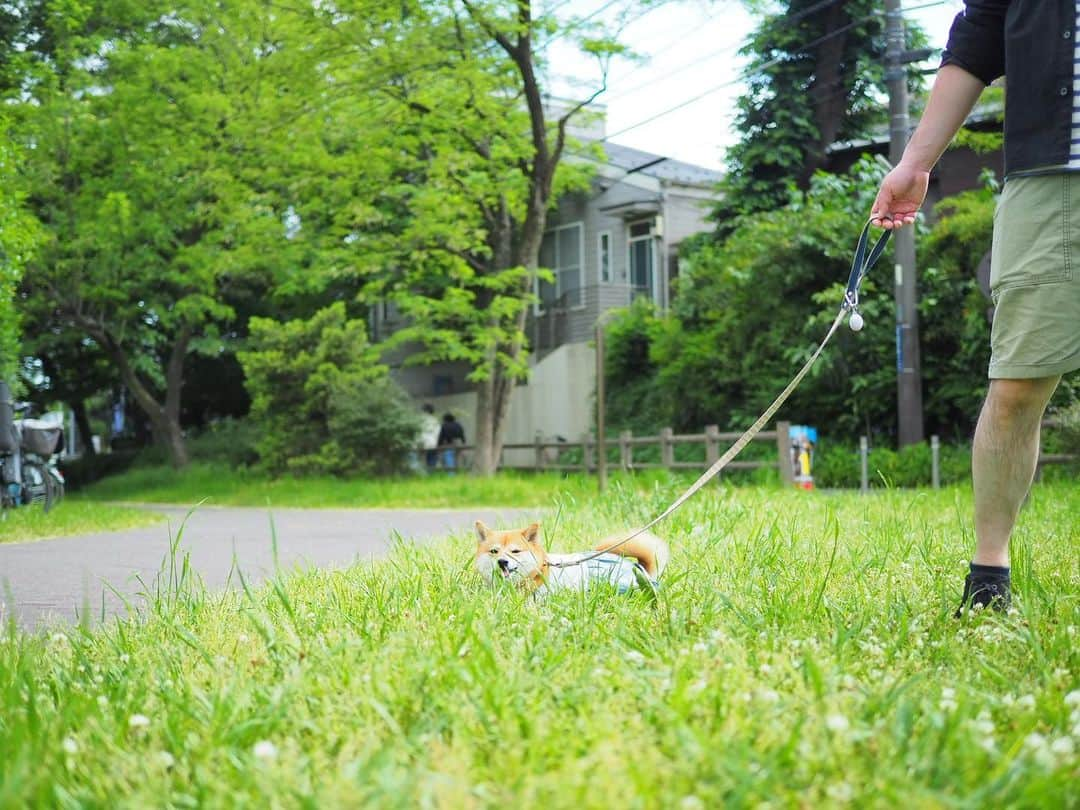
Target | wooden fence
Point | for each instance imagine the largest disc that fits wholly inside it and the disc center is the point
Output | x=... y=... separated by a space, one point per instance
x=550 y=455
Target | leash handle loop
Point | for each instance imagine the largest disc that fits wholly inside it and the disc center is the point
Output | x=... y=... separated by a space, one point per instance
x=862 y=263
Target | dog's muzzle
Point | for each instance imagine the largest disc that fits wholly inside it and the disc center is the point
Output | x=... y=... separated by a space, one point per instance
x=507 y=567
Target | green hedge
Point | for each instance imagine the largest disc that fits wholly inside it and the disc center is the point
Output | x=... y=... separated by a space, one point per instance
x=839 y=466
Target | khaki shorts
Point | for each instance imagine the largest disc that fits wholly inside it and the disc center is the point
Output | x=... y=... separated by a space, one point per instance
x=1035 y=278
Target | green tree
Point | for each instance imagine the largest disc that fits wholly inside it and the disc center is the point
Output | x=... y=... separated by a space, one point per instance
x=157 y=132
x=18 y=236
x=750 y=309
x=321 y=402
x=815 y=76
x=453 y=237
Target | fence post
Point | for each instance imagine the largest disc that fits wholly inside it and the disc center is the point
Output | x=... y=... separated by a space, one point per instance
x=712 y=448
x=935 y=462
x=626 y=458
x=783 y=449
x=864 y=460
x=667 y=448
x=539 y=451
x=586 y=452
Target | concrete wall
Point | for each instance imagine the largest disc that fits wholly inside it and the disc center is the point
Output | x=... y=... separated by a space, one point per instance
x=557 y=401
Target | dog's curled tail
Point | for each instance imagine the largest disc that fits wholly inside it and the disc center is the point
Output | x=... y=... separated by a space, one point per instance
x=646 y=548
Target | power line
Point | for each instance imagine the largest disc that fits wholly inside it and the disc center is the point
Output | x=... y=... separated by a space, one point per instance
x=741 y=78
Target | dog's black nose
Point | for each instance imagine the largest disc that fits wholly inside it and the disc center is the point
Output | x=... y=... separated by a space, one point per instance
x=504 y=564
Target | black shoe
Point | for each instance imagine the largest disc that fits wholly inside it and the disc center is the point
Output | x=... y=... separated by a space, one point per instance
x=986 y=589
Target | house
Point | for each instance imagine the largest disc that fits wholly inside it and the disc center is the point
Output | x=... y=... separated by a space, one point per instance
x=605 y=247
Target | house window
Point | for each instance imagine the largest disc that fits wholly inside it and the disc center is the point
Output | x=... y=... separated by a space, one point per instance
x=561 y=253
x=604 y=256
x=642 y=260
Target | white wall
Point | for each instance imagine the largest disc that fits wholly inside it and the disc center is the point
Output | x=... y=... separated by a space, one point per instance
x=557 y=401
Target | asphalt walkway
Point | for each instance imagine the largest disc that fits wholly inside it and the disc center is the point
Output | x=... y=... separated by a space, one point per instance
x=58 y=580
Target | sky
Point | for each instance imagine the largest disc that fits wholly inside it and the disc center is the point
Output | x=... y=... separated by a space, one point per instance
x=690 y=57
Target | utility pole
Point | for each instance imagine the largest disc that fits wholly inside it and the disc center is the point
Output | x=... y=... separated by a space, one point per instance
x=908 y=365
x=601 y=404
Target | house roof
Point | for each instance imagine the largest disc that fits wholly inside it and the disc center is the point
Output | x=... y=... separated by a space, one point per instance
x=663 y=168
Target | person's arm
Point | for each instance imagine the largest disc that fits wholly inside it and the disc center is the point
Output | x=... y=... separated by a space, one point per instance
x=903 y=190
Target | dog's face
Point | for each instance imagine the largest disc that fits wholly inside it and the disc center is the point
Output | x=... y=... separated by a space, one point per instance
x=516 y=556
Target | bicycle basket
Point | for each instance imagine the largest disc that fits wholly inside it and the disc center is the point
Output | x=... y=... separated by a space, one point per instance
x=42 y=438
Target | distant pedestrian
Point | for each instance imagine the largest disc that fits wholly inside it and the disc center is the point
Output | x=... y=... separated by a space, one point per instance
x=429 y=436
x=451 y=435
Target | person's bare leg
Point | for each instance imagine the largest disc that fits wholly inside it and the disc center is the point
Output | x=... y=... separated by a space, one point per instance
x=1003 y=461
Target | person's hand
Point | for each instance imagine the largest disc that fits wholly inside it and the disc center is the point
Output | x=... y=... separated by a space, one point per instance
x=898 y=200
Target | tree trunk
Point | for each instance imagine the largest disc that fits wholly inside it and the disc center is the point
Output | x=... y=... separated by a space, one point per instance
x=165 y=418
x=827 y=92
x=82 y=426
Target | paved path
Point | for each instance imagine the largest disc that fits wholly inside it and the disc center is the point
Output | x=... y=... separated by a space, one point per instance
x=58 y=579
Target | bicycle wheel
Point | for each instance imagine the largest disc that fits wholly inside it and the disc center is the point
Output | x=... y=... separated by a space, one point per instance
x=52 y=495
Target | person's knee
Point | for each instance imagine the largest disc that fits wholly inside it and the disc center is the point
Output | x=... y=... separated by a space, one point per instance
x=1019 y=401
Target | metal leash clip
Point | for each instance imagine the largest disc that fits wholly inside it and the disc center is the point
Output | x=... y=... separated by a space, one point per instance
x=860 y=266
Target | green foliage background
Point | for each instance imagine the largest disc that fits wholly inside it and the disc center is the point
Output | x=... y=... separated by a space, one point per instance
x=750 y=309
x=18 y=236
x=321 y=402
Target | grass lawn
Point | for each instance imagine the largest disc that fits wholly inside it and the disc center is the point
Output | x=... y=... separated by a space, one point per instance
x=70 y=516
x=222 y=486
x=802 y=653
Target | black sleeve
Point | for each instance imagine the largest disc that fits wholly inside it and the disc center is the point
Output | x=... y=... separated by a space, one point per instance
x=443 y=439
x=977 y=39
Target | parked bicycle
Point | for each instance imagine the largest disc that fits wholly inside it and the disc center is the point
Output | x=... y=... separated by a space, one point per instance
x=28 y=471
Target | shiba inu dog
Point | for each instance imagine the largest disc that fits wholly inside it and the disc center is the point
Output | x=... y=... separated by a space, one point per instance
x=519 y=557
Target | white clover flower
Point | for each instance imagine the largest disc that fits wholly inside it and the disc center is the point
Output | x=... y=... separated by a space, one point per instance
x=698 y=686
x=138 y=721
x=165 y=759
x=1073 y=698
x=265 y=750
x=1026 y=702
x=242 y=638
x=1035 y=740
x=635 y=657
x=840 y=792
x=700 y=647
x=983 y=723
x=1063 y=747
x=58 y=638
x=837 y=723
x=102 y=701
x=988 y=745
x=70 y=746
x=765 y=669
x=948 y=693
x=124 y=658
x=769 y=696
x=691 y=803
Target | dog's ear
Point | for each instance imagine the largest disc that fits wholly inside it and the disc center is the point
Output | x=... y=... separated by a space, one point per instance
x=532 y=534
x=482 y=531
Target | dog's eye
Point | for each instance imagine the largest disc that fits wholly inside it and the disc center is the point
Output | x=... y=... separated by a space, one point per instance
x=493 y=551
x=515 y=551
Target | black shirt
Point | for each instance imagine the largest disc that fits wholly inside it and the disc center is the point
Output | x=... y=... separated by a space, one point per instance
x=451 y=432
x=1030 y=42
